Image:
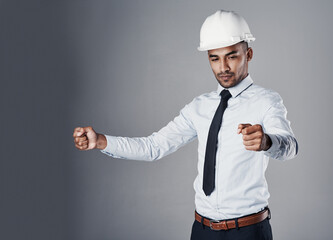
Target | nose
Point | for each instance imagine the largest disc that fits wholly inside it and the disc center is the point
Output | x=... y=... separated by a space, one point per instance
x=224 y=67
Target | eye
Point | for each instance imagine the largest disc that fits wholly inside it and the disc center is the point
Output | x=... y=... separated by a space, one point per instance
x=232 y=57
x=214 y=59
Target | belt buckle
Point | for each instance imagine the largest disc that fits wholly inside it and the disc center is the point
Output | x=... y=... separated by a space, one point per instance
x=211 y=224
x=224 y=223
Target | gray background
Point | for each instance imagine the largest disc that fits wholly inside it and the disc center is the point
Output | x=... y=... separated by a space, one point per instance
x=127 y=68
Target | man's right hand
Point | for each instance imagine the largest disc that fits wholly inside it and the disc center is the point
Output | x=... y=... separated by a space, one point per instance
x=85 y=138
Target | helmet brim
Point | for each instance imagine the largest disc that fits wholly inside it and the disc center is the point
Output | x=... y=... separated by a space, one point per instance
x=222 y=45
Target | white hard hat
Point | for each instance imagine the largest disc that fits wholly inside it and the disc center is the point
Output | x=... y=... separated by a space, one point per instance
x=223 y=29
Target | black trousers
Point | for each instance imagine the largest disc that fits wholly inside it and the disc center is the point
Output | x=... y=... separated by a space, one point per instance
x=259 y=231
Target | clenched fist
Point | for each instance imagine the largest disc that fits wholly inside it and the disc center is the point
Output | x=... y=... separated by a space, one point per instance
x=254 y=138
x=85 y=138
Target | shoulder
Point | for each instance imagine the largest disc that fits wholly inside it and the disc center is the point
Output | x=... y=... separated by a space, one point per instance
x=203 y=98
x=201 y=102
x=264 y=95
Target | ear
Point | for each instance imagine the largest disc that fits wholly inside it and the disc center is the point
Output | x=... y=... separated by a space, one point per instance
x=249 y=54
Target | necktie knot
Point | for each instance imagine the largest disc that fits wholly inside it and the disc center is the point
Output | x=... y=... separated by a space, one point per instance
x=225 y=94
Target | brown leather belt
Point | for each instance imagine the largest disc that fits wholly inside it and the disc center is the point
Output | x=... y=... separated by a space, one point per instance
x=232 y=223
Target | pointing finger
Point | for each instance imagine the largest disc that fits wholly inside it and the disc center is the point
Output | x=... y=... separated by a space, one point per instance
x=242 y=126
x=252 y=129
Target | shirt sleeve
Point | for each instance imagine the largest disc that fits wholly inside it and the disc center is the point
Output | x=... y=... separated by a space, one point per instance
x=174 y=135
x=277 y=127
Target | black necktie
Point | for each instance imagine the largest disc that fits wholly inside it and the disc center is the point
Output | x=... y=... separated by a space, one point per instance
x=210 y=157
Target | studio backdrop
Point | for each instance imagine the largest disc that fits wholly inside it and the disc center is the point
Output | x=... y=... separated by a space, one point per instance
x=126 y=68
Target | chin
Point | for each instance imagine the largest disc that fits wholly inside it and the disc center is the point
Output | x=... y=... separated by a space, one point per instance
x=227 y=85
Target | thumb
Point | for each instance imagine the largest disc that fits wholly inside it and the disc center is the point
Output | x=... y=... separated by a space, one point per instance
x=90 y=133
x=242 y=126
x=88 y=130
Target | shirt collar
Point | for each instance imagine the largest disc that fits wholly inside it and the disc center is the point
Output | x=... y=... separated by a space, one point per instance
x=239 y=88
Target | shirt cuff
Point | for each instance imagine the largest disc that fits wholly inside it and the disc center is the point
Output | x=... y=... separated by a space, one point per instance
x=111 y=146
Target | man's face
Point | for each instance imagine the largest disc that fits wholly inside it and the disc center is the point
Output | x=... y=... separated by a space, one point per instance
x=230 y=64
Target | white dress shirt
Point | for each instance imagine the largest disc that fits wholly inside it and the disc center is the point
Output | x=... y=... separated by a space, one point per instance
x=240 y=187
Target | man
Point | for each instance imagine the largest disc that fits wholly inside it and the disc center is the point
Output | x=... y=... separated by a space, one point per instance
x=238 y=126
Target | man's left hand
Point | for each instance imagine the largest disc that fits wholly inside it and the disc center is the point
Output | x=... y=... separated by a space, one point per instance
x=254 y=138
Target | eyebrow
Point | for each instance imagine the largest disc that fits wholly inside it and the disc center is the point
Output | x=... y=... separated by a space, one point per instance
x=230 y=53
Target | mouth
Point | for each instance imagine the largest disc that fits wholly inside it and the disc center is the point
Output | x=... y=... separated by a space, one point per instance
x=224 y=77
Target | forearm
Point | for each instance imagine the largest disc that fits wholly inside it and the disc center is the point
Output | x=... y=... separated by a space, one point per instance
x=142 y=148
x=283 y=147
x=149 y=148
x=159 y=144
x=277 y=127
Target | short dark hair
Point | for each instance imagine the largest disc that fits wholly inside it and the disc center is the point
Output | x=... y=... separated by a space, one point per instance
x=245 y=45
